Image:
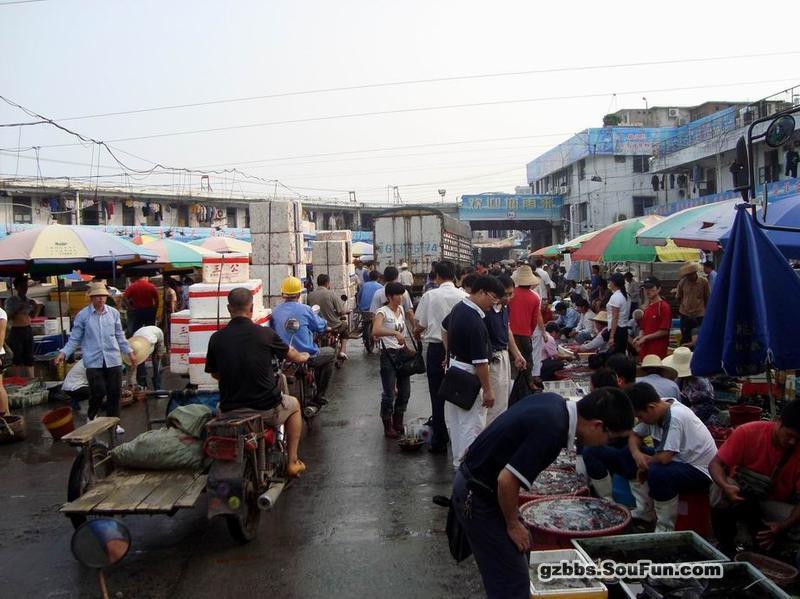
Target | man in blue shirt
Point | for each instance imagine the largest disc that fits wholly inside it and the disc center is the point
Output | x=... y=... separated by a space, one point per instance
x=711 y=274
x=568 y=318
x=368 y=290
x=510 y=454
x=98 y=332
x=322 y=358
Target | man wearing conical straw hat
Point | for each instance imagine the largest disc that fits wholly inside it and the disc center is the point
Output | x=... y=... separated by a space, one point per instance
x=147 y=342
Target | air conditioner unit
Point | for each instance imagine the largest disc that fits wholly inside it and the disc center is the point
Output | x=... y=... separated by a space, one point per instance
x=681 y=122
x=673 y=113
x=563 y=190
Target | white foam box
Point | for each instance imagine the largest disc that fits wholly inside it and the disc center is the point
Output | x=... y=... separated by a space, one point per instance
x=211 y=301
x=339 y=276
x=338 y=252
x=179 y=328
x=319 y=253
x=345 y=235
x=200 y=331
x=275 y=248
x=52 y=326
x=197 y=370
x=228 y=268
x=179 y=359
x=276 y=216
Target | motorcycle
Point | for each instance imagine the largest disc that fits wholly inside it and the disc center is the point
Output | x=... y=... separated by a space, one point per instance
x=361 y=326
x=300 y=380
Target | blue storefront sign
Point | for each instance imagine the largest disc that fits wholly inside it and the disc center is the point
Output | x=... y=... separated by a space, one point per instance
x=507 y=206
x=777 y=190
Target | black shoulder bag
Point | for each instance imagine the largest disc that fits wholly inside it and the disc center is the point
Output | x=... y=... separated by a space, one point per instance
x=460 y=387
x=412 y=363
x=754 y=485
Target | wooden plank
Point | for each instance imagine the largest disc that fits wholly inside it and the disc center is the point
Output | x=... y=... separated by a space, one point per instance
x=129 y=493
x=163 y=498
x=189 y=498
x=87 y=501
x=84 y=434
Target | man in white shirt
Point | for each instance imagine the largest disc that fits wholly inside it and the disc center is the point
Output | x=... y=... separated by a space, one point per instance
x=76 y=385
x=660 y=377
x=678 y=464
x=434 y=306
x=146 y=342
x=390 y=274
x=585 y=329
x=406 y=276
x=545 y=282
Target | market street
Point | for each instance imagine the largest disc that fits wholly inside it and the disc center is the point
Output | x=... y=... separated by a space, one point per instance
x=359 y=523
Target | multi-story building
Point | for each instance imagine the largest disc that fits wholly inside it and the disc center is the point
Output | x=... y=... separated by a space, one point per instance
x=642 y=159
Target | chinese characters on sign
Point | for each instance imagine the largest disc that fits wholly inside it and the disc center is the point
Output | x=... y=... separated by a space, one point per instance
x=499 y=206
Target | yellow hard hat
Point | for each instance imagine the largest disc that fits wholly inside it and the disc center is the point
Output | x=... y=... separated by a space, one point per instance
x=291 y=286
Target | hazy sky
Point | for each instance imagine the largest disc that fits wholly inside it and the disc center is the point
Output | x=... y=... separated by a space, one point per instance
x=69 y=58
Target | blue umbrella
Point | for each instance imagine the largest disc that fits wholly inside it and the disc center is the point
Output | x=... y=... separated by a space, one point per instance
x=748 y=325
x=784 y=213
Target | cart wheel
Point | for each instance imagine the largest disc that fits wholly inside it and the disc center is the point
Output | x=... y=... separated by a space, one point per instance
x=81 y=476
x=244 y=525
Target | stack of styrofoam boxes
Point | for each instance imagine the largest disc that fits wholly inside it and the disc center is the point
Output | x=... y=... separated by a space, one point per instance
x=277 y=239
x=179 y=342
x=208 y=310
x=332 y=255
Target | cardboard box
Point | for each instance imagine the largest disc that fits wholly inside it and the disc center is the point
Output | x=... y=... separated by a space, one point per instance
x=179 y=328
x=228 y=268
x=211 y=301
x=344 y=235
x=179 y=359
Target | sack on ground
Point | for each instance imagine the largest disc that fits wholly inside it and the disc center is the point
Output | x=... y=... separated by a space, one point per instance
x=180 y=446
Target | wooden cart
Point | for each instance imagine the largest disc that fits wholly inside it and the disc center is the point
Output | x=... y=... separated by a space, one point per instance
x=96 y=488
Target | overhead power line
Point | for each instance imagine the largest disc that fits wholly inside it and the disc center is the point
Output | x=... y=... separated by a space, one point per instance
x=423 y=81
x=420 y=109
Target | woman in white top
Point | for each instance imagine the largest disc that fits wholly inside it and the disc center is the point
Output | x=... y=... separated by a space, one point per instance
x=389 y=329
x=3 y=362
x=619 y=308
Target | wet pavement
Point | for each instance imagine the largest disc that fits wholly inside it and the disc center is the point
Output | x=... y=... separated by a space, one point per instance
x=360 y=523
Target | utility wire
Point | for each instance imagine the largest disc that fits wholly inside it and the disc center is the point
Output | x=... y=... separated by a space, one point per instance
x=419 y=109
x=424 y=81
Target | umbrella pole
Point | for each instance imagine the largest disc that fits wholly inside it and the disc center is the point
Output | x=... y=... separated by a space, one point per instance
x=772 y=407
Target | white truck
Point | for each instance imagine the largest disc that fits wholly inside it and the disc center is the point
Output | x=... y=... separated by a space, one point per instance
x=420 y=237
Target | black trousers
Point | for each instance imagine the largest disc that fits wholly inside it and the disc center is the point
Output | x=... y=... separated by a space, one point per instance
x=621 y=341
x=688 y=324
x=435 y=372
x=104 y=383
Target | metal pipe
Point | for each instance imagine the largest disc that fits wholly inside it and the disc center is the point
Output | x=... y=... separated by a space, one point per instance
x=268 y=499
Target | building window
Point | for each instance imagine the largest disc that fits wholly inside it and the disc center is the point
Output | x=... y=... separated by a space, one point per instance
x=63 y=218
x=583 y=212
x=642 y=203
x=582 y=169
x=21 y=209
x=247 y=218
x=641 y=164
x=128 y=216
x=619 y=159
x=231 y=216
x=90 y=215
x=182 y=217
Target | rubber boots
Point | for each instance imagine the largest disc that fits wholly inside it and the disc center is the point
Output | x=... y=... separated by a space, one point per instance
x=666 y=514
x=388 y=429
x=644 y=504
x=602 y=487
x=397 y=424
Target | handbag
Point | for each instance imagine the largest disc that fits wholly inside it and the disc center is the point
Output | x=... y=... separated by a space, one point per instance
x=412 y=363
x=456 y=536
x=460 y=387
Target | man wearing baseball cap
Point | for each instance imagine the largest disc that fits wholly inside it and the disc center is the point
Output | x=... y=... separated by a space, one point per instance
x=98 y=332
x=656 y=322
